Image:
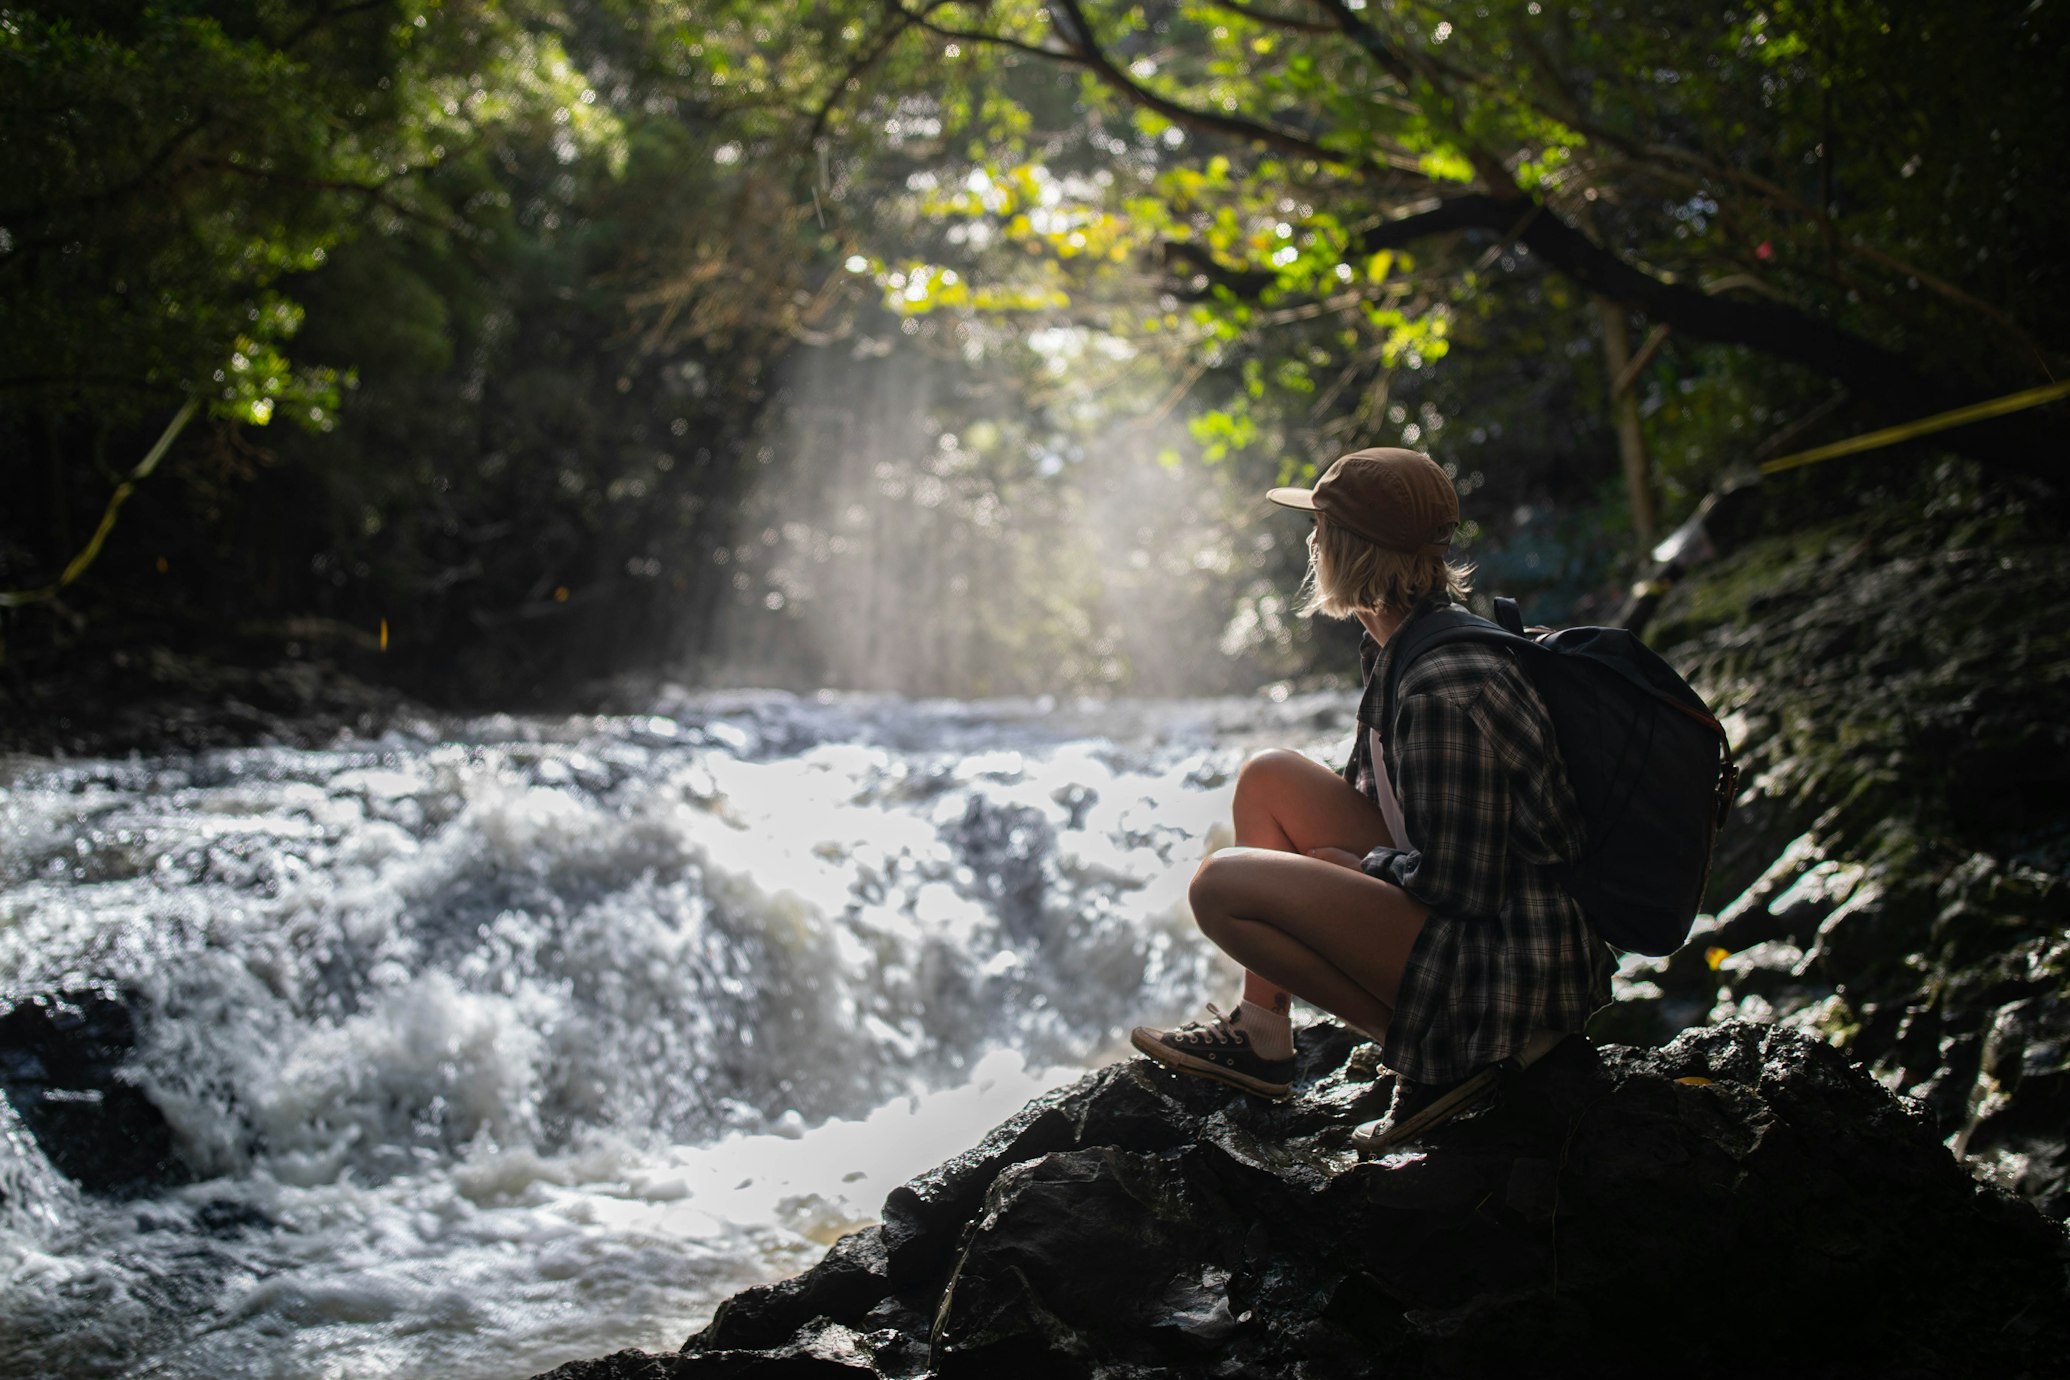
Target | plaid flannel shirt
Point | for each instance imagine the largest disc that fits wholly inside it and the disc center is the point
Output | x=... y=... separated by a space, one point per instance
x=1486 y=805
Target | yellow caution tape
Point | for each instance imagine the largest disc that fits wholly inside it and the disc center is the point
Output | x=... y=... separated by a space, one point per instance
x=1940 y=421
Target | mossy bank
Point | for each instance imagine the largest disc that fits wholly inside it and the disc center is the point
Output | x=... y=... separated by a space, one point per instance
x=1894 y=666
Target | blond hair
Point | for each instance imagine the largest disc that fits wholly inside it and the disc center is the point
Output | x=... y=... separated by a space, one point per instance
x=1348 y=574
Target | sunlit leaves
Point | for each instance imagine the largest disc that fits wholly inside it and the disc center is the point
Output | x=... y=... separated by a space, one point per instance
x=1292 y=376
x=257 y=381
x=1406 y=339
x=1761 y=36
x=1186 y=187
x=1223 y=431
x=196 y=164
x=1049 y=220
x=916 y=289
x=1445 y=165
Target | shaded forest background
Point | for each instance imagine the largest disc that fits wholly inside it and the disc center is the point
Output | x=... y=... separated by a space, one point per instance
x=492 y=349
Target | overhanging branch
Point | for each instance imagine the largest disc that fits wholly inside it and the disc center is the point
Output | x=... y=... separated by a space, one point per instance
x=1095 y=60
x=1346 y=21
x=1774 y=329
x=1272 y=20
x=862 y=62
x=1085 y=52
x=1193 y=261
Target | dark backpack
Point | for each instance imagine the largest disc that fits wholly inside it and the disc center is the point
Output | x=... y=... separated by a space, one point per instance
x=1650 y=767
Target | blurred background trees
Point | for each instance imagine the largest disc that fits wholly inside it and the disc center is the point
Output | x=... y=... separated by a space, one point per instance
x=944 y=348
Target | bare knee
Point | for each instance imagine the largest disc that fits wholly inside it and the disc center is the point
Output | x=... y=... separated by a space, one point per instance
x=1209 y=893
x=1268 y=773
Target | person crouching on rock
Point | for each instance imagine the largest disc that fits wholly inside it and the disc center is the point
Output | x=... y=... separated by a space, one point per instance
x=1419 y=905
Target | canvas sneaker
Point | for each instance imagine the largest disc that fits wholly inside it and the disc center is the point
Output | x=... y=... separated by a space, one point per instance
x=1420 y=1107
x=1217 y=1048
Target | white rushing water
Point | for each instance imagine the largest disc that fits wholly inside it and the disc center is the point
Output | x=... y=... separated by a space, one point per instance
x=497 y=1044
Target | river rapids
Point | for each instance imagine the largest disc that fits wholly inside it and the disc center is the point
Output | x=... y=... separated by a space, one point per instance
x=498 y=1043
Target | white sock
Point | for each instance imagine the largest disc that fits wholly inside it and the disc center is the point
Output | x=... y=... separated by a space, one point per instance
x=1271 y=1032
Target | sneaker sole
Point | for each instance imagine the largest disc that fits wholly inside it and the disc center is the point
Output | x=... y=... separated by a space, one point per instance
x=1180 y=1062
x=1380 y=1134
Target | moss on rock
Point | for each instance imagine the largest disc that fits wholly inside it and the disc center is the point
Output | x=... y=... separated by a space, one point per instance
x=1897 y=685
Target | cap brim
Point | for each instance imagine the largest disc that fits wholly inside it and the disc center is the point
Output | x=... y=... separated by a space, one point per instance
x=1303 y=499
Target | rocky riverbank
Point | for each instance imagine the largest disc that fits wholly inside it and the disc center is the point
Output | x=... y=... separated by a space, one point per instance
x=155 y=701
x=1886 y=979
x=1616 y=1207
x=1883 y=983
x=1894 y=876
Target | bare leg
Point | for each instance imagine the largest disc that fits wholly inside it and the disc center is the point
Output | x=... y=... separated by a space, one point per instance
x=1287 y=803
x=1329 y=934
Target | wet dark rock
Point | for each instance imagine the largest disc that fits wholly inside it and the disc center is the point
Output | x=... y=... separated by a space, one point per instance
x=851 y=1279
x=154 y=700
x=1898 y=696
x=62 y=1058
x=224 y=1219
x=1615 y=1206
x=622 y=1365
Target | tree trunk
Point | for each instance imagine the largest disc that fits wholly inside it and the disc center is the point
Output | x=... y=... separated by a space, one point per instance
x=1624 y=407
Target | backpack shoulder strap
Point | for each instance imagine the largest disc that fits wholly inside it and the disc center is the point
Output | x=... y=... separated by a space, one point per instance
x=1435 y=629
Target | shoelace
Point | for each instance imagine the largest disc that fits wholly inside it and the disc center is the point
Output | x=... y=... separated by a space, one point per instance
x=1219 y=1031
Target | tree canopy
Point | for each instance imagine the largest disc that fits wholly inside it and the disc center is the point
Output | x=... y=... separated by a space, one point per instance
x=548 y=337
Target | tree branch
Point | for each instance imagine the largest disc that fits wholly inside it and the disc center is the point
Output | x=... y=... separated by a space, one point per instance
x=327 y=16
x=1346 y=21
x=1781 y=331
x=1652 y=156
x=79 y=563
x=376 y=192
x=863 y=62
x=1087 y=53
x=1276 y=21
x=1190 y=259
x=1777 y=330
x=141 y=179
x=979 y=36
x=121 y=381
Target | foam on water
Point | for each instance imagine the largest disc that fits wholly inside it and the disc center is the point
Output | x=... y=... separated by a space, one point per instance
x=537 y=1040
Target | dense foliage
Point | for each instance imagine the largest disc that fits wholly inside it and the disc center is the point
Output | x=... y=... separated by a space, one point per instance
x=472 y=393
x=944 y=346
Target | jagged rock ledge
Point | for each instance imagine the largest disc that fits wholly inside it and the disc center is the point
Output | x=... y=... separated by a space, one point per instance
x=1740 y=1199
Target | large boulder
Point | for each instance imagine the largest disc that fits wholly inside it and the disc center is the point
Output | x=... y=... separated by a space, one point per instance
x=63 y=1062
x=1741 y=1195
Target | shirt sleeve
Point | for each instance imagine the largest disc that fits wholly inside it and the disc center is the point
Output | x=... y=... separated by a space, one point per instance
x=1455 y=805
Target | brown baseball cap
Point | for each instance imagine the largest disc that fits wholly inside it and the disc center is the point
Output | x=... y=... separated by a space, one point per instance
x=1399 y=499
